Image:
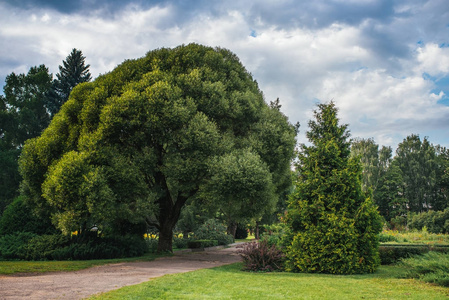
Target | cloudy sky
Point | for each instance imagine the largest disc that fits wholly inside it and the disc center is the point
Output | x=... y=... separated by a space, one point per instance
x=385 y=63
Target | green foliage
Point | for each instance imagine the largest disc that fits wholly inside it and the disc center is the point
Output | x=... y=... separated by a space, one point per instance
x=392 y=253
x=431 y=267
x=180 y=243
x=262 y=257
x=334 y=225
x=195 y=244
x=29 y=246
x=422 y=167
x=433 y=221
x=139 y=142
x=241 y=186
x=19 y=217
x=72 y=72
x=23 y=115
x=417 y=237
x=14 y=246
x=213 y=230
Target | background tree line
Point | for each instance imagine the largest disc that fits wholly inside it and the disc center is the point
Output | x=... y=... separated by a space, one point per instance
x=415 y=180
x=29 y=103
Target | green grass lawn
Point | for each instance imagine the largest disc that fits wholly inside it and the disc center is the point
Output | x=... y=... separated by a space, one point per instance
x=228 y=282
x=13 y=267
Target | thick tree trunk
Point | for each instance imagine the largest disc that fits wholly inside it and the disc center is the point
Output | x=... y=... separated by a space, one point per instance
x=165 y=243
x=256 y=232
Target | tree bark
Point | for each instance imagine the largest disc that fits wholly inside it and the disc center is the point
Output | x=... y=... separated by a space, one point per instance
x=165 y=243
x=256 y=231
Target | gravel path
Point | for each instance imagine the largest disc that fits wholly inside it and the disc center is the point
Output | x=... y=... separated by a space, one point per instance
x=87 y=282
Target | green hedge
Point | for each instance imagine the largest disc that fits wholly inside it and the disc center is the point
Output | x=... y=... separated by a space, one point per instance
x=392 y=253
x=28 y=246
x=196 y=244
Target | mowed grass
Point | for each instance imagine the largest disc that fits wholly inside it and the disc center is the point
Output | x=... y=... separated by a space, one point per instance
x=14 y=267
x=229 y=282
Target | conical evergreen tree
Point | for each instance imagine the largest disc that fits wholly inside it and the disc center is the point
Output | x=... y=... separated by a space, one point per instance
x=72 y=72
x=334 y=224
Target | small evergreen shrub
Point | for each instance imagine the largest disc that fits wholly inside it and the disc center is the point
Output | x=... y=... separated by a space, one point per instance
x=213 y=230
x=259 y=256
x=432 y=267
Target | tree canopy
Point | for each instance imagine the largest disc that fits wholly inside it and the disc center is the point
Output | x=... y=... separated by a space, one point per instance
x=138 y=143
x=23 y=115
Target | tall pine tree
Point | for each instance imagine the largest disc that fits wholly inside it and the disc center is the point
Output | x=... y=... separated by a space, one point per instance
x=334 y=224
x=72 y=72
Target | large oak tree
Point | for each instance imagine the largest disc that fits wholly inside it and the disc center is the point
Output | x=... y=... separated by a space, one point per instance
x=139 y=143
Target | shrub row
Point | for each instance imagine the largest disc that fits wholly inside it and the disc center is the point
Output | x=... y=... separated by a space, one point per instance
x=390 y=254
x=196 y=244
x=28 y=246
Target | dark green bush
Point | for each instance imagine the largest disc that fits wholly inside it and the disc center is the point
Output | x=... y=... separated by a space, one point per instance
x=42 y=247
x=18 y=217
x=29 y=246
x=390 y=254
x=195 y=244
x=14 y=246
x=241 y=232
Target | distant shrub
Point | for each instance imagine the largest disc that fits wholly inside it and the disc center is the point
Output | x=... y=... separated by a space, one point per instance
x=431 y=267
x=433 y=221
x=390 y=254
x=274 y=234
x=180 y=242
x=241 y=232
x=385 y=238
x=259 y=256
x=195 y=244
x=213 y=230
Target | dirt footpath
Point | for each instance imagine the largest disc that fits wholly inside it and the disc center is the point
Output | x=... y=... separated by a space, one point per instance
x=84 y=283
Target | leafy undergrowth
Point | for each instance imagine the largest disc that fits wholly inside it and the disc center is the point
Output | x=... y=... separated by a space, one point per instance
x=14 y=267
x=229 y=282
